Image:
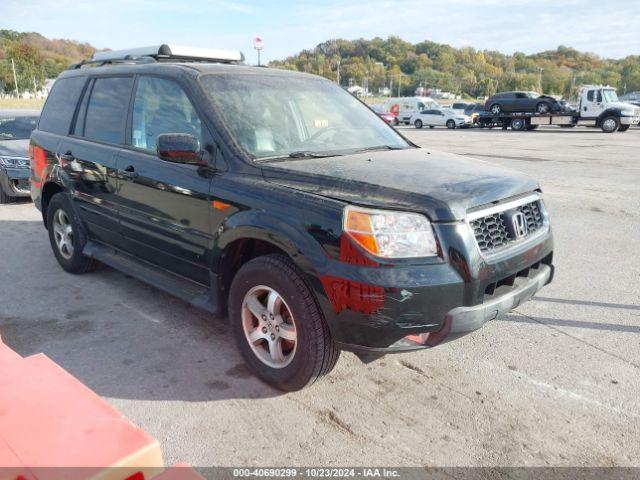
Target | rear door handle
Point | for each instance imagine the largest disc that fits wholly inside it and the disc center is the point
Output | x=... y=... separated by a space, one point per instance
x=129 y=172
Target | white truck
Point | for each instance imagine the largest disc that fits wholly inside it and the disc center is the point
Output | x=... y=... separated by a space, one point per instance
x=598 y=106
x=403 y=108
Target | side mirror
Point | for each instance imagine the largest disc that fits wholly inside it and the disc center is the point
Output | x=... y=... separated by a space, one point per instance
x=179 y=148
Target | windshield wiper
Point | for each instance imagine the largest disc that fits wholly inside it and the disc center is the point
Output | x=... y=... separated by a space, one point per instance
x=299 y=154
x=379 y=147
x=310 y=154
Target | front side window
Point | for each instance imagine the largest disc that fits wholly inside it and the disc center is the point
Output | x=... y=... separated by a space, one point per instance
x=590 y=95
x=107 y=109
x=275 y=115
x=161 y=106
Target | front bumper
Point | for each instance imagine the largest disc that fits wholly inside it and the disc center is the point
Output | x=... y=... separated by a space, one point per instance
x=630 y=120
x=15 y=181
x=410 y=307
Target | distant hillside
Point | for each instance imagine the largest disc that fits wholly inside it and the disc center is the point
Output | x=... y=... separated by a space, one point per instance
x=36 y=57
x=461 y=70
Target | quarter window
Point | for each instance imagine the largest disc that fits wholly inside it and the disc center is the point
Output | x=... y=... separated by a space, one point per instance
x=161 y=106
x=61 y=104
x=107 y=109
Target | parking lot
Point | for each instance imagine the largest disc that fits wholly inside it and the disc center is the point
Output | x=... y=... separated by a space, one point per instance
x=554 y=383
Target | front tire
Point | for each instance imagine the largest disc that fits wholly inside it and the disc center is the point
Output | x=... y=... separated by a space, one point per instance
x=418 y=123
x=610 y=124
x=278 y=325
x=451 y=124
x=4 y=198
x=543 y=108
x=67 y=236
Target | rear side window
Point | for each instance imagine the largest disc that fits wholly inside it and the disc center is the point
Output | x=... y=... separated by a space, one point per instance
x=107 y=109
x=61 y=104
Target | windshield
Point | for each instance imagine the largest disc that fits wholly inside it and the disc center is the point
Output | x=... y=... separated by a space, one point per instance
x=273 y=115
x=610 y=95
x=17 y=128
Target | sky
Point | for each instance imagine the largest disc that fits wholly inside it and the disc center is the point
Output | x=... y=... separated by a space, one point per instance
x=609 y=28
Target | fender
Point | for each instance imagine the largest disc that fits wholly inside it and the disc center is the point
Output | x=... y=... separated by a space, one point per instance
x=289 y=236
x=607 y=113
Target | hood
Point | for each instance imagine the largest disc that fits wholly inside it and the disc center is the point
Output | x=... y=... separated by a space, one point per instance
x=440 y=185
x=624 y=106
x=15 y=148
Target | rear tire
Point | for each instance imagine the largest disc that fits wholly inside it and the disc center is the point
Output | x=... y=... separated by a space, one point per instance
x=451 y=124
x=67 y=236
x=518 y=124
x=296 y=363
x=418 y=123
x=610 y=124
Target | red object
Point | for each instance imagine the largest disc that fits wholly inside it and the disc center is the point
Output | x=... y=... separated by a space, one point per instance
x=51 y=424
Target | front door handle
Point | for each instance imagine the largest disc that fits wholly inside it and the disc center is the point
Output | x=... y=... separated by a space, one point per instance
x=129 y=172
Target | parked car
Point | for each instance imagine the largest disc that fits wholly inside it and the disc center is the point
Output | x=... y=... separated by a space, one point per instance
x=15 y=129
x=440 y=117
x=522 y=102
x=310 y=224
x=474 y=110
x=459 y=107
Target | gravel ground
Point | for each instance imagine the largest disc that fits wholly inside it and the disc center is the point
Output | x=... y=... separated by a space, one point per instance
x=554 y=383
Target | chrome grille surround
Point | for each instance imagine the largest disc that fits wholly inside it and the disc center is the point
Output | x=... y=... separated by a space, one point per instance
x=491 y=226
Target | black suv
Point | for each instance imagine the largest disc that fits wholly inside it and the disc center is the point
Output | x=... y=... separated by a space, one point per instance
x=281 y=200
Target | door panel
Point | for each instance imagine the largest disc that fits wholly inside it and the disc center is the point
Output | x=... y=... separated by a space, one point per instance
x=164 y=213
x=91 y=170
x=164 y=206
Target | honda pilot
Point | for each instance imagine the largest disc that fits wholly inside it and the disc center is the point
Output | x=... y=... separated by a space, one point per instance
x=282 y=202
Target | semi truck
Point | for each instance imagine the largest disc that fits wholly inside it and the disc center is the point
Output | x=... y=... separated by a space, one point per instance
x=598 y=107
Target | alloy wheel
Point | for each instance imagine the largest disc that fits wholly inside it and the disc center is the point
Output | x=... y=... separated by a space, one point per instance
x=269 y=326
x=63 y=234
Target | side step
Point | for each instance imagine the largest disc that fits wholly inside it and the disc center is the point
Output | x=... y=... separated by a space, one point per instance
x=196 y=294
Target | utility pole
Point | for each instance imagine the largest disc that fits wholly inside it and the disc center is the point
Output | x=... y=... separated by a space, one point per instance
x=400 y=75
x=15 y=78
x=540 y=70
x=338 y=77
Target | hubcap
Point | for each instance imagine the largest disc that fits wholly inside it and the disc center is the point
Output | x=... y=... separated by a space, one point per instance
x=609 y=124
x=543 y=108
x=269 y=326
x=63 y=234
x=495 y=109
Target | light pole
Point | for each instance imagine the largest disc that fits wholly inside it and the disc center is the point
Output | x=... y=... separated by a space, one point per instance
x=257 y=46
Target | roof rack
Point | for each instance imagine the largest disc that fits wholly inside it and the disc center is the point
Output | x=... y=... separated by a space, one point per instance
x=163 y=52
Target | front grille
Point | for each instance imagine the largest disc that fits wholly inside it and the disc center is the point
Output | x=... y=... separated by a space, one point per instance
x=495 y=231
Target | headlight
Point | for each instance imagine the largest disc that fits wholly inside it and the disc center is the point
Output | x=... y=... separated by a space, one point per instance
x=14 y=162
x=390 y=234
